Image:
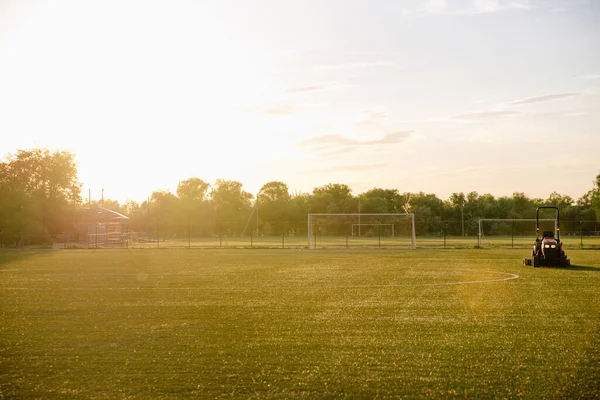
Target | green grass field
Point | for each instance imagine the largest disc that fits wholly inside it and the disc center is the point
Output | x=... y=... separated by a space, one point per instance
x=255 y=323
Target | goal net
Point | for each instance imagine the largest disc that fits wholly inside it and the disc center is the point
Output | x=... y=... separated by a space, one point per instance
x=388 y=229
x=361 y=230
x=511 y=232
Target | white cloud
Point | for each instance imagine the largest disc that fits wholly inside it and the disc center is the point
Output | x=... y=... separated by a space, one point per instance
x=436 y=6
x=327 y=141
x=352 y=65
x=489 y=6
x=546 y=97
x=485 y=116
x=590 y=76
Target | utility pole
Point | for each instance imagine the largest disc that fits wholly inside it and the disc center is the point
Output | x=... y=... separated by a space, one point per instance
x=462 y=218
x=359 y=217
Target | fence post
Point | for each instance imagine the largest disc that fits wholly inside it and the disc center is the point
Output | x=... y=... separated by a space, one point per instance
x=252 y=234
x=512 y=235
x=346 y=234
x=444 y=230
x=379 y=234
x=580 y=235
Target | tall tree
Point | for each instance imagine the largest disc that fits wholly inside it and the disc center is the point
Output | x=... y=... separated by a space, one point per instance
x=273 y=206
x=333 y=198
x=558 y=200
x=193 y=189
x=196 y=211
x=231 y=204
x=378 y=200
x=42 y=189
x=458 y=200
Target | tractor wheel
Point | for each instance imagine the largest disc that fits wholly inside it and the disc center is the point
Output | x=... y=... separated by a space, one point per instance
x=535 y=261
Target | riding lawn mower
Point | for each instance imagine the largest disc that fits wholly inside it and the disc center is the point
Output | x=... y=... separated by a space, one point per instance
x=547 y=249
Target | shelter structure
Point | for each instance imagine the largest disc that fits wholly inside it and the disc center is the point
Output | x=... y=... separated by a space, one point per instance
x=98 y=226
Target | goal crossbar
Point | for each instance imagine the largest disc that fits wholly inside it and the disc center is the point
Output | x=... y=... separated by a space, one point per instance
x=413 y=240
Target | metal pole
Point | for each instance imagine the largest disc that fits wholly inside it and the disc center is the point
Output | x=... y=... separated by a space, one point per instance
x=443 y=221
x=413 y=238
x=512 y=235
x=346 y=234
x=359 y=217
x=444 y=229
x=580 y=235
x=308 y=233
x=379 y=234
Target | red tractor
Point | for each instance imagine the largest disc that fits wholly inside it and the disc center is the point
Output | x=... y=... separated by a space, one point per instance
x=547 y=250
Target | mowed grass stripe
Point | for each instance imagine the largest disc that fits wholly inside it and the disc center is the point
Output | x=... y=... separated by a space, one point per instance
x=273 y=324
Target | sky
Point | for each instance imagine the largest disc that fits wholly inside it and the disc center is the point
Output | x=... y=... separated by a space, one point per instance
x=438 y=96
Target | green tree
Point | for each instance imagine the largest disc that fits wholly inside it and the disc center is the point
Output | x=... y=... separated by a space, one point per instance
x=231 y=204
x=165 y=214
x=558 y=200
x=39 y=192
x=298 y=213
x=193 y=189
x=378 y=200
x=458 y=201
x=196 y=213
x=273 y=202
x=333 y=198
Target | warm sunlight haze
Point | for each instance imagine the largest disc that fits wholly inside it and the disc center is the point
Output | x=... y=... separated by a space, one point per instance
x=435 y=96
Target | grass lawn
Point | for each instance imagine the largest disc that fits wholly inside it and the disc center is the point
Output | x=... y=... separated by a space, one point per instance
x=258 y=323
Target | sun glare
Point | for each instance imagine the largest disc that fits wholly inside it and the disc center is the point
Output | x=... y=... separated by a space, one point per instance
x=162 y=88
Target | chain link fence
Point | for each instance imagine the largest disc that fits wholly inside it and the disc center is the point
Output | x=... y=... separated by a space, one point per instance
x=374 y=233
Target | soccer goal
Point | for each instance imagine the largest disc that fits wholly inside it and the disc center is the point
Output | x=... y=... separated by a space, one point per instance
x=511 y=232
x=392 y=230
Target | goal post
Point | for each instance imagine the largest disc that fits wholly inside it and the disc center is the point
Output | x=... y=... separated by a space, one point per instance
x=342 y=224
x=512 y=222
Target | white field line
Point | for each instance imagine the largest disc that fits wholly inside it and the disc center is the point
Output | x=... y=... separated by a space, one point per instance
x=508 y=278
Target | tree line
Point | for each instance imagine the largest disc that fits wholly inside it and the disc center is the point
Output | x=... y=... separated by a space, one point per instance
x=40 y=194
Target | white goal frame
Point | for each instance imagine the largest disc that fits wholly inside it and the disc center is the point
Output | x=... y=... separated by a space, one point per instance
x=359 y=225
x=413 y=240
x=480 y=234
